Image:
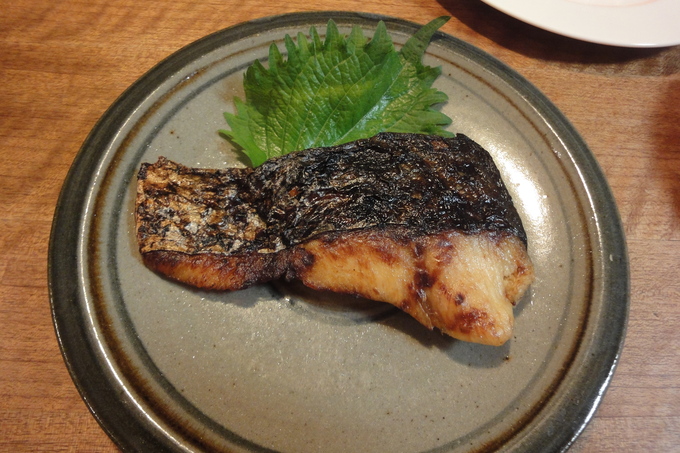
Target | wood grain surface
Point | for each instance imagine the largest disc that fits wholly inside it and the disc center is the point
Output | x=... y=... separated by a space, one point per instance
x=62 y=63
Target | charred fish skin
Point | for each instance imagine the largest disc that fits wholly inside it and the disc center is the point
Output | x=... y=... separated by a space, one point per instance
x=426 y=183
x=330 y=216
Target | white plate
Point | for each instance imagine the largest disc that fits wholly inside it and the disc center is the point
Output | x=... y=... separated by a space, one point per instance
x=626 y=23
x=166 y=367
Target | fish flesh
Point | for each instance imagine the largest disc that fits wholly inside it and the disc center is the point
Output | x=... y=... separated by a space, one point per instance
x=424 y=223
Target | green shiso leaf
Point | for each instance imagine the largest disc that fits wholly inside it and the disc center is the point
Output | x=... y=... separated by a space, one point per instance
x=335 y=91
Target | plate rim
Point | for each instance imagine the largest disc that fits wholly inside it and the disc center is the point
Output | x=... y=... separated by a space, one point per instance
x=80 y=355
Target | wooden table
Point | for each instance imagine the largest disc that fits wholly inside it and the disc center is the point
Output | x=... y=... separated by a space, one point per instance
x=62 y=63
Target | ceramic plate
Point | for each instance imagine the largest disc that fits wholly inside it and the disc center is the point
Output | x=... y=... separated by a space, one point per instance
x=278 y=369
x=626 y=23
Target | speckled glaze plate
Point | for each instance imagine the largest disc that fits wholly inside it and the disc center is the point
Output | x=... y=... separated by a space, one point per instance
x=275 y=368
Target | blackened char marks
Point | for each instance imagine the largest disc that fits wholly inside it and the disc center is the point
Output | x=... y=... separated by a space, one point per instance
x=427 y=184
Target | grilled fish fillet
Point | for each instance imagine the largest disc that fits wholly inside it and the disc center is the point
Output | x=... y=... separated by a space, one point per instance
x=421 y=222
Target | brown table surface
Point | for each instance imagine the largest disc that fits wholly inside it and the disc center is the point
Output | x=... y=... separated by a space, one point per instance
x=62 y=63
